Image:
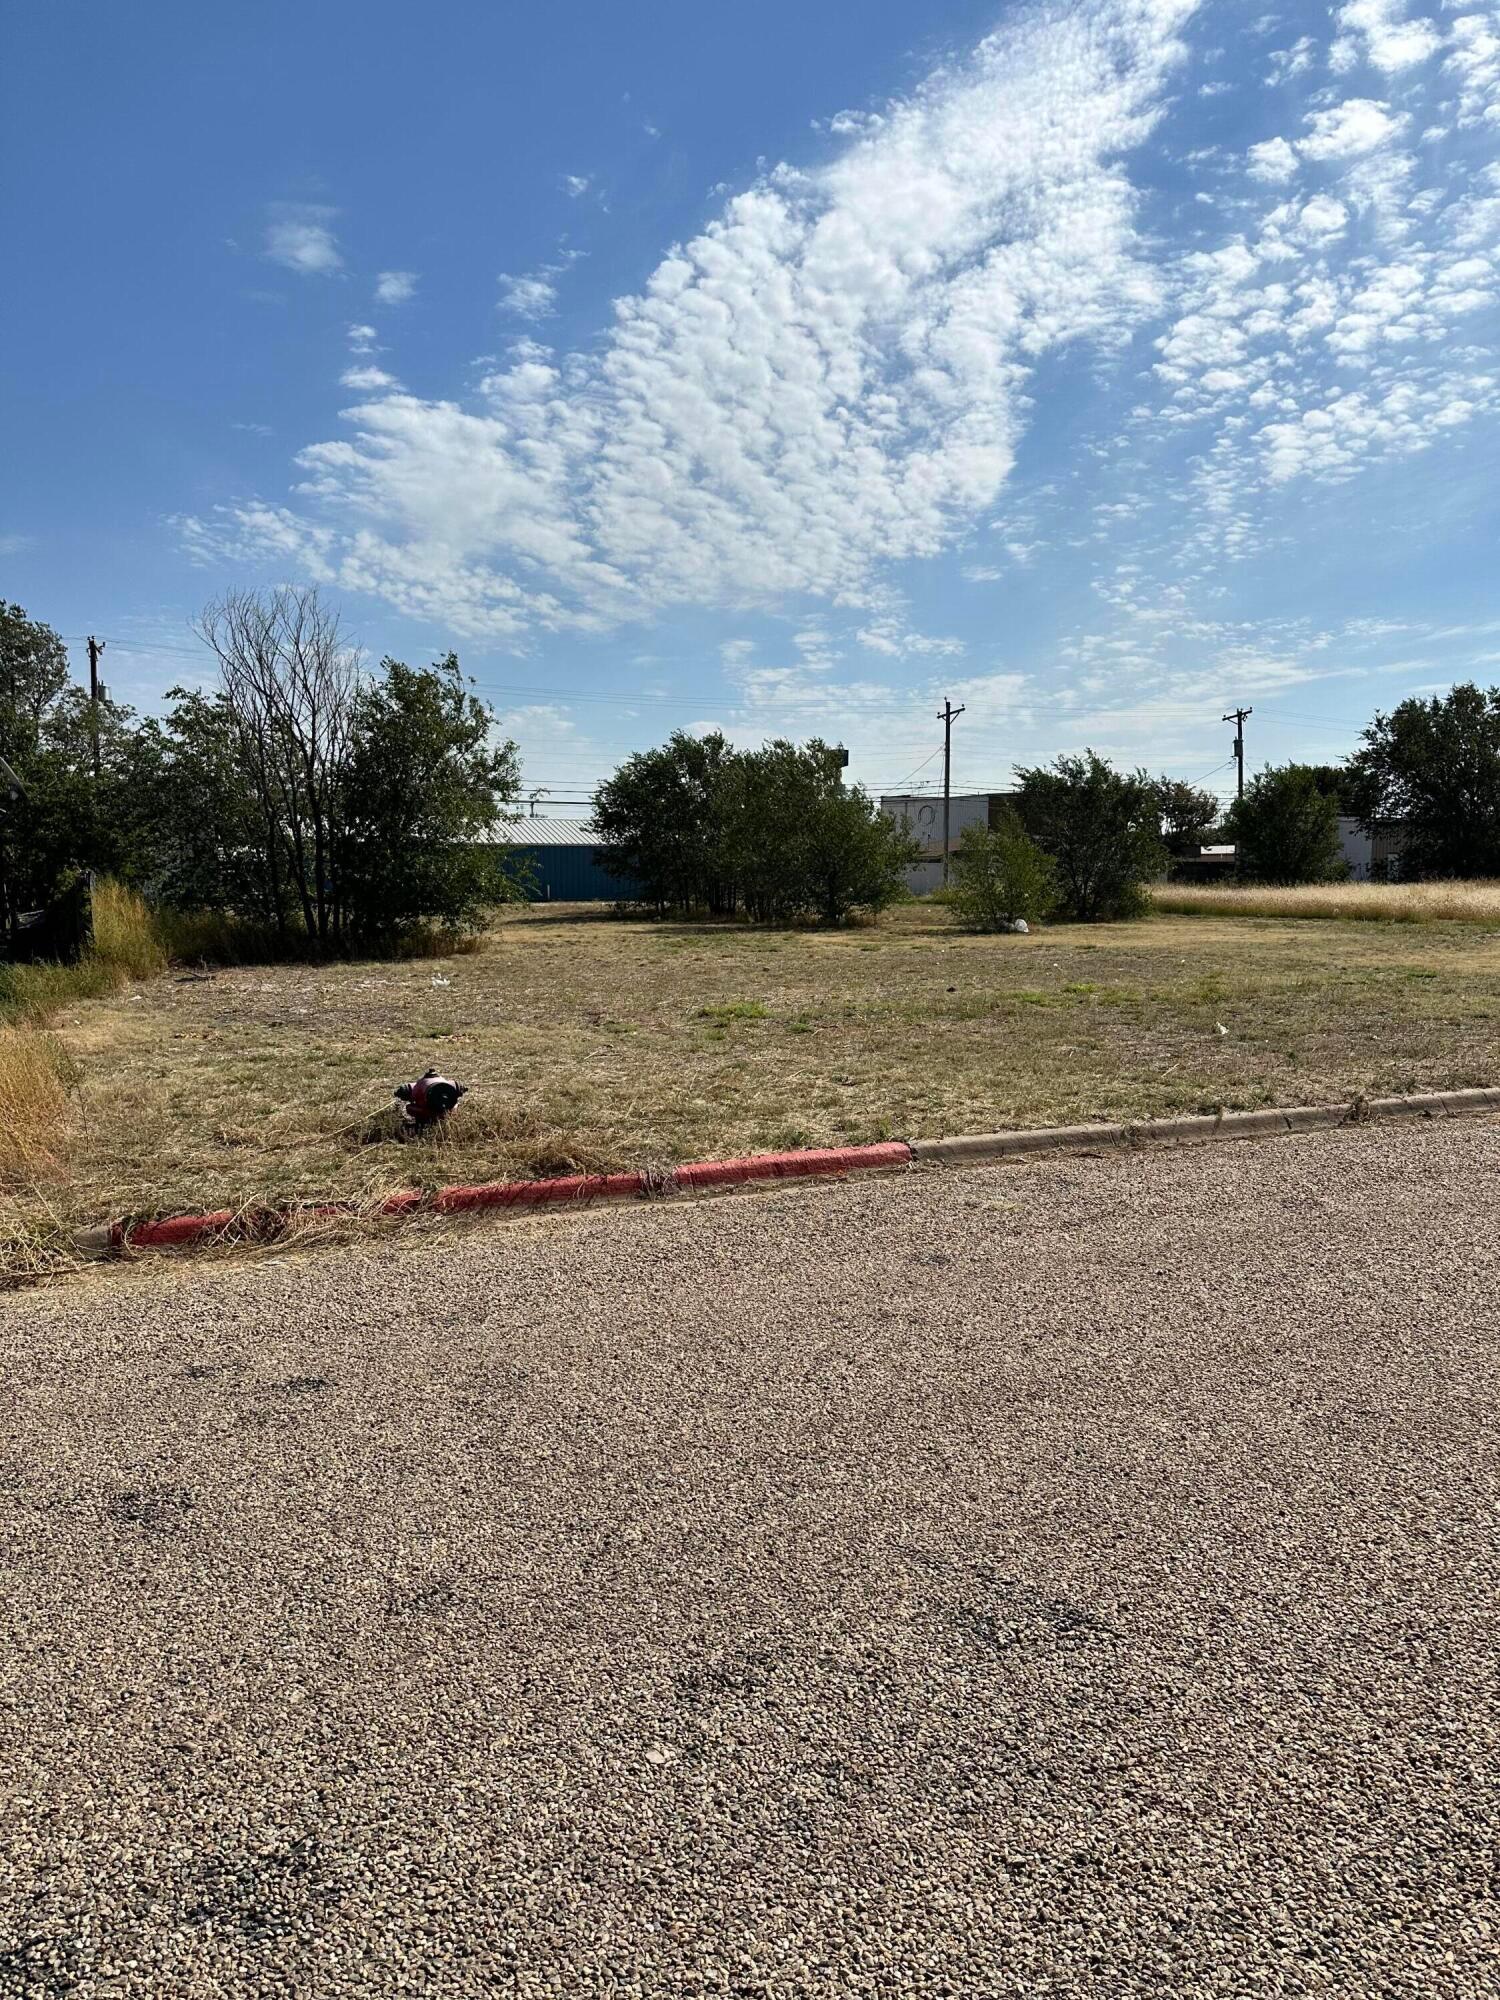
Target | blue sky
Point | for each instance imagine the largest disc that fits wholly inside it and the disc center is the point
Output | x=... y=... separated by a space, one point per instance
x=1100 y=365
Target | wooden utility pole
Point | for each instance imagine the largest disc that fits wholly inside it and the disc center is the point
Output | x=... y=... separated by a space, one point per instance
x=96 y=647
x=948 y=717
x=1237 y=717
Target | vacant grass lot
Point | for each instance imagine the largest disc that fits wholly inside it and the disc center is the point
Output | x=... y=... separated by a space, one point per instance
x=588 y=1043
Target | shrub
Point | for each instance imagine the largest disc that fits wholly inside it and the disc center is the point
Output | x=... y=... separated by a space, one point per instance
x=214 y=937
x=1286 y=827
x=1000 y=875
x=1102 y=831
x=774 y=832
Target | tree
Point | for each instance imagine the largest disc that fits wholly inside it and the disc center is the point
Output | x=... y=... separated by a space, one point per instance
x=58 y=819
x=663 y=820
x=1286 y=827
x=706 y=829
x=289 y=683
x=423 y=792
x=33 y=671
x=855 y=857
x=1435 y=765
x=1000 y=875
x=1101 y=829
x=1186 y=815
x=199 y=836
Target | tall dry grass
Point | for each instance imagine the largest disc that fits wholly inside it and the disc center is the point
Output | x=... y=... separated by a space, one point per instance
x=1374 y=902
x=36 y=1076
x=127 y=936
x=127 y=945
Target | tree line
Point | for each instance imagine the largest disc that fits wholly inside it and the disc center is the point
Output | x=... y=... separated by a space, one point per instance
x=324 y=804
x=332 y=806
x=1081 y=840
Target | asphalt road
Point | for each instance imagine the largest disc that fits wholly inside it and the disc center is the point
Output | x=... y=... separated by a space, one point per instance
x=1073 y=1579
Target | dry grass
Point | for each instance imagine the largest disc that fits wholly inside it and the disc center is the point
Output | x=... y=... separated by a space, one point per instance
x=127 y=936
x=36 y=1075
x=589 y=1043
x=128 y=945
x=1381 y=902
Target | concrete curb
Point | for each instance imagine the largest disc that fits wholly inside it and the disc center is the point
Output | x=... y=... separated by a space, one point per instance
x=1266 y=1124
x=267 y=1224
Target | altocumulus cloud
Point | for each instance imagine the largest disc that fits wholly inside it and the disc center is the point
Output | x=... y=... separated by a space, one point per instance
x=830 y=377
x=834 y=376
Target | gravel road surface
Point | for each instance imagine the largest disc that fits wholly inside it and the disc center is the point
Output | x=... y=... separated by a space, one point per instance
x=1073 y=1579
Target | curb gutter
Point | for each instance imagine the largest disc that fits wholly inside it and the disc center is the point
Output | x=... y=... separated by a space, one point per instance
x=1266 y=1124
x=266 y=1224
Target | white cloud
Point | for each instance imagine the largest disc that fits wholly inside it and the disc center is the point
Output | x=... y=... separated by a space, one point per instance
x=1390 y=41
x=1272 y=160
x=1322 y=217
x=367 y=378
x=394 y=288
x=577 y=184
x=890 y=636
x=1342 y=132
x=830 y=377
x=1287 y=64
x=1474 y=58
x=529 y=297
x=300 y=236
x=16 y=545
x=362 y=339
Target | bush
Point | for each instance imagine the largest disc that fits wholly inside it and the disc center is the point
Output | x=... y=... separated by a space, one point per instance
x=1000 y=875
x=773 y=833
x=1100 y=829
x=1286 y=827
x=214 y=937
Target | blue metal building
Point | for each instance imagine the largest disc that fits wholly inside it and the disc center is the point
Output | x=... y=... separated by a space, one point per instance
x=557 y=858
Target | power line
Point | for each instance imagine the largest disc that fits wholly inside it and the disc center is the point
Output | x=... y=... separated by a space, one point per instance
x=911 y=774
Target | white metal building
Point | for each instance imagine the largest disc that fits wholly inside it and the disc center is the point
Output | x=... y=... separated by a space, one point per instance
x=923 y=814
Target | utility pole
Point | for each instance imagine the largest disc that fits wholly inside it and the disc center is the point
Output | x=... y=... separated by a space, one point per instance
x=948 y=717
x=1237 y=717
x=96 y=647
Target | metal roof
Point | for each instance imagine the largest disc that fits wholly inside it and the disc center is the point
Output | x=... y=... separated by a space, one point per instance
x=541 y=832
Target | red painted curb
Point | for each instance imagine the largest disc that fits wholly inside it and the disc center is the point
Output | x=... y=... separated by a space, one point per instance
x=173 y=1231
x=792 y=1166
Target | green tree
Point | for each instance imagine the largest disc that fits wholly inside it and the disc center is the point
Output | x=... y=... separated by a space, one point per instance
x=772 y=832
x=424 y=792
x=1286 y=827
x=199 y=838
x=1435 y=765
x=56 y=818
x=1000 y=875
x=663 y=819
x=1101 y=829
x=1187 y=816
x=855 y=856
